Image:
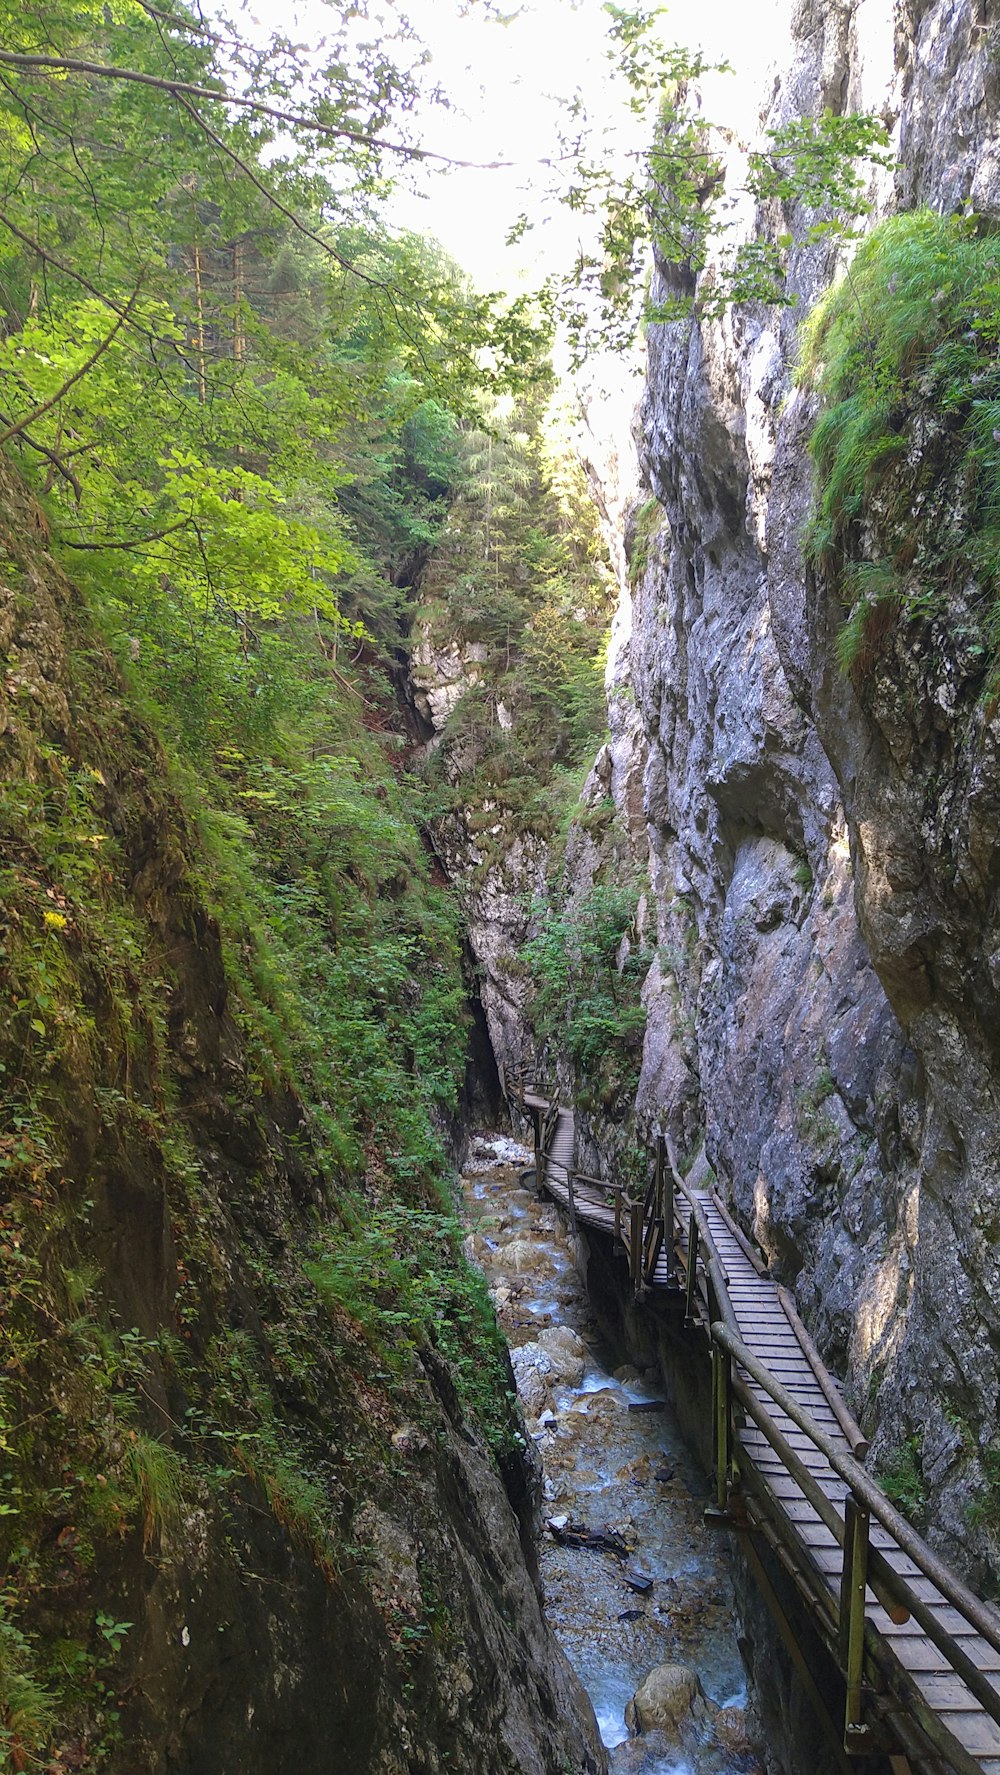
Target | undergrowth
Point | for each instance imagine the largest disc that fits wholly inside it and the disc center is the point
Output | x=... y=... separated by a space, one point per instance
x=587 y=964
x=904 y=354
x=901 y=1478
x=316 y=1064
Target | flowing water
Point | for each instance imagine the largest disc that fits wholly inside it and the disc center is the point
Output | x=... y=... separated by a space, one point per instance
x=633 y=1577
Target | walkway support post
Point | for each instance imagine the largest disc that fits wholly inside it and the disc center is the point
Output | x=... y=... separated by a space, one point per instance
x=635 y=1245
x=852 y=1617
x=692 y=1269
x=667 y=1209
x=722 y=1425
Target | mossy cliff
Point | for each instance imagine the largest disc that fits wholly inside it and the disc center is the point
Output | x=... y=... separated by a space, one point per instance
x=263 y=1495
x=807 y=696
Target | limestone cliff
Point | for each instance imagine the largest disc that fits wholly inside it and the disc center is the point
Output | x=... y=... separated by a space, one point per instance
x=824 y=853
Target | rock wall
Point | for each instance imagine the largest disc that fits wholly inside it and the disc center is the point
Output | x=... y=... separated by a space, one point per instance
x=350 y=1592
x=824 y=863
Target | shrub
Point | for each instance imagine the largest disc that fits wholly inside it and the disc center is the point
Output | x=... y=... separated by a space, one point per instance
x=903 y=352
x=588 y=968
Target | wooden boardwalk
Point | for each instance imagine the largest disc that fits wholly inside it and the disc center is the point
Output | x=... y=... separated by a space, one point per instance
x=786 y=1473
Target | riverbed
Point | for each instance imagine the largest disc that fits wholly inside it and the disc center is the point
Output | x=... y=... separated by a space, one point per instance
x=634 y=1579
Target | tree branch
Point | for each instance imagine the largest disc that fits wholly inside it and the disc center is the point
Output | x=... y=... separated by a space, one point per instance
x=39 y=64
x=188 y=25
x=60 y=265
x=132 y=542
x=57 y=461
x=54 y=399
x=274 y=201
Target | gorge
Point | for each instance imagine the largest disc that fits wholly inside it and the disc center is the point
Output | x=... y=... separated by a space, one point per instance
x=316 y=821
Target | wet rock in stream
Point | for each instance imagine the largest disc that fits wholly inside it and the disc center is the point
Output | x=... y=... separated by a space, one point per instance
x=634 y=1581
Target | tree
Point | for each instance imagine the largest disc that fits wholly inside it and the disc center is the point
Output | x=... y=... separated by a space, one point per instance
x=207 y=333
x=809 y=181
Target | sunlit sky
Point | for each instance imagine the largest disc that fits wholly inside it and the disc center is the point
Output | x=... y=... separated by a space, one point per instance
x=504 y=81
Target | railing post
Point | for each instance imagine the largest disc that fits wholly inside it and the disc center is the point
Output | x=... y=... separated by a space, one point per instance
x=659 y=1175
x=536 y=1124
x=721 y=1425
x=635 y=1244
x=572 y=1201
x=692 y=1268
x=668 y=1210
x=852 y=1617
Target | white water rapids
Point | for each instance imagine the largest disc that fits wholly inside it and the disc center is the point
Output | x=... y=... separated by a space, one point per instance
x=620 y=1476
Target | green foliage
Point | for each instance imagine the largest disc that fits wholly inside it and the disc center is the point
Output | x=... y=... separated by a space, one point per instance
x=817 y=162
x=342 y=1017
x=984 y=1510
x=903 y=354
x=520 y=580
x=588 y=966
x=155 y=1473
x=673 y=199
x=399 y=1275
x=901 y=1478
x=27 y=1706
x=235 y=407
x=648 y=523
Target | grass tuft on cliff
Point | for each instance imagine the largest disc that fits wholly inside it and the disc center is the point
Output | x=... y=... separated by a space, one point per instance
x=904 y=353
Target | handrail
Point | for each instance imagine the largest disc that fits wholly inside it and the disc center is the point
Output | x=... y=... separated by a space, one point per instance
x=975 y=1611
x=958 y=1758
x=711 y=1261
x=856 y=1437
x=866 y=1498
x=856 y=1639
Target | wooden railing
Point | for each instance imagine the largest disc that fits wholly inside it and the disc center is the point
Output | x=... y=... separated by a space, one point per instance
x=865 y=1566
x=514 y=1081
x=670 y=1215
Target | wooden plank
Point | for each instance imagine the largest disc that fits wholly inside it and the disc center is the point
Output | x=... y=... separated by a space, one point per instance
x=921 y=1656
x=976 y=1731
x=950 y=1619
x=764 y=1344
x=797 y=1439
x=816 y=1536
x=822 y=1415
x=799 y=1510
x=947 y=1693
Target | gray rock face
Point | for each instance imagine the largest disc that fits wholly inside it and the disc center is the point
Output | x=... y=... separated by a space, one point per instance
x=825 y=868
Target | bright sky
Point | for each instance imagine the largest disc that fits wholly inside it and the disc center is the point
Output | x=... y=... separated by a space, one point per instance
x=504 y=81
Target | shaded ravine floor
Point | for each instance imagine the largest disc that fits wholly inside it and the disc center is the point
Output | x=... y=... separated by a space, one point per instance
x=618 y=1473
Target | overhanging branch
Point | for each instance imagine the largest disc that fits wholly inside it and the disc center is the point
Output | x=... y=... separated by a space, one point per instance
x=41 y=64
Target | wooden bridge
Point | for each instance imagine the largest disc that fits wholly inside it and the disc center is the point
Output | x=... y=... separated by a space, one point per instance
x=918 y=1653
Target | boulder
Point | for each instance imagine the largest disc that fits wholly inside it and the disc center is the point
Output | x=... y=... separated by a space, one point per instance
x=535 y=1375
x=566 y=1351
x=519 y=1255
x=668 y=1700
x=730 y=1728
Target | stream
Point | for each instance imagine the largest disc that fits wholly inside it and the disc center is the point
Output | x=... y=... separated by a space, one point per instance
x=633 y=1578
